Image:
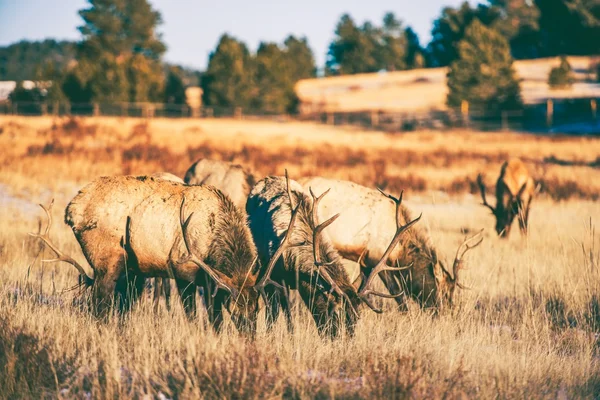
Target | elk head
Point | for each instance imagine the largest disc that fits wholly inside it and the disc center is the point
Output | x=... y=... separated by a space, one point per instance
x=423 y=276
x=506 y=210
x=244 y=290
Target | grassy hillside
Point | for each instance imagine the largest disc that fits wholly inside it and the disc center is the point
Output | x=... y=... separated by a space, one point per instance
x=425 y=89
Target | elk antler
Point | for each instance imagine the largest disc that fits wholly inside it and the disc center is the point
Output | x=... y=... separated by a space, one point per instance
x=191 y=257
x=482 y=190
x=317 y=247
x=458 y=262
x=266 y=278
x=60 y=256
x=381 y=266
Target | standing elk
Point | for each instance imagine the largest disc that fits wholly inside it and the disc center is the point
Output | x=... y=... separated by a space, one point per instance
x=368 y=223
x=515 y=189
x=311 y=264
x=232 y=179
x=131 y=228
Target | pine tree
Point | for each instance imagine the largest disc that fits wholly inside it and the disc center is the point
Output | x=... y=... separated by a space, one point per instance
x=561 y=77
x=483 y=74
x=119 y=58
x=174 y=86
x=229 y=78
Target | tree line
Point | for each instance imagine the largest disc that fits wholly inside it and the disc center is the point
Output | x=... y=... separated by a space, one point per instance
x=120 y=55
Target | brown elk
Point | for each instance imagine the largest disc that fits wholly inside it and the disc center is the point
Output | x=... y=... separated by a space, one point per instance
x=514 y=192
x=368 y=222
x=232 y=179
x=132 y=228
x=311 y=265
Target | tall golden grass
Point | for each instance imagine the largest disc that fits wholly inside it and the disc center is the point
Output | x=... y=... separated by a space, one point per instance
x=529 y=328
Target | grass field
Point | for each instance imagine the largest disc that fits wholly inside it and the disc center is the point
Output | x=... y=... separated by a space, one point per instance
x=528 y=328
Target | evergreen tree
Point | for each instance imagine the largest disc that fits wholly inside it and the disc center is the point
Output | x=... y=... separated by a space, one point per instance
x=391 y=48
x=483 y=74
x=119 y=56
x=561 y=77
x=228 y=80
x=414 y=52
x=519 y=23
x=174 y=86
x=449 y=29
x=351 y=52
x=273 y=80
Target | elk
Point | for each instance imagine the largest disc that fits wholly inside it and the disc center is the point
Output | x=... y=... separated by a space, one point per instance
x=311 y=264
x=515 y=190
x=232 y=179
x=365 y=227
x=132 y=228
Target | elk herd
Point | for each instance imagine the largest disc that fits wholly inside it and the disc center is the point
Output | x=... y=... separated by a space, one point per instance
x=239 y=242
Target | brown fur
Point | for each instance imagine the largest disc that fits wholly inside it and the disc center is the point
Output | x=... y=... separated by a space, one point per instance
x=367 y=224
x=515 y=189
x=268 y=208
x=129 y=230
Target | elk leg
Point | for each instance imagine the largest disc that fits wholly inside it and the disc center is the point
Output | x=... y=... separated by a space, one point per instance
x=128 y=289
x=187 y=293
x=392 y=285
x=215 y=313
x=524 y=218
x=157 y=290
x=166 y=284
x=272 y=307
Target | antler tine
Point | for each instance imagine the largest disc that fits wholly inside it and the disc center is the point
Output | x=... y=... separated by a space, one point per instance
x=266 y=278
x=459 y=255
x=289 y=191
x=482 y=190
x=317 y=246
x=60 y=256
x=382 y=264
x=191 y=257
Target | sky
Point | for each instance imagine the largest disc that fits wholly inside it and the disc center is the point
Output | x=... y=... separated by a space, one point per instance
x=192 y=28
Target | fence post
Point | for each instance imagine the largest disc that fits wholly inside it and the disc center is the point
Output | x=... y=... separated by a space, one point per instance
x=238 y=113
x=55 y=108
x=374 y=119
x=594 y=107
x=44 y=109
x=209 y=112
x=330 y=119
x=464 y=110
x=504 y=120
x=15 y=109
x=68 y=109
x=549 y=112
x=96 y=110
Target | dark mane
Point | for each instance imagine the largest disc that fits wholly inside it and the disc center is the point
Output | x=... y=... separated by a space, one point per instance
x=233 y=250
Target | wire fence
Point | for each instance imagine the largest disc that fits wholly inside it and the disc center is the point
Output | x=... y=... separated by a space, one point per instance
x=577 y=115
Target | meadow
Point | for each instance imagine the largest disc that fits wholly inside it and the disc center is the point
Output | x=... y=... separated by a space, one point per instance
x=529 y=327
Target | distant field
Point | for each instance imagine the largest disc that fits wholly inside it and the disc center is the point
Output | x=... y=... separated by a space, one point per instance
x=528 y=328
x=426 y=89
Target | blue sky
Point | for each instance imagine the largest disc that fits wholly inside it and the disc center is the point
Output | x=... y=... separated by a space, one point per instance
x=191 y=28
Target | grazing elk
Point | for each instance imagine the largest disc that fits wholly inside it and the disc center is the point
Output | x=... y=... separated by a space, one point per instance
x=131 y=228
x=232 y=179
x=515 y=189
x=311 y=265
x=365 y=227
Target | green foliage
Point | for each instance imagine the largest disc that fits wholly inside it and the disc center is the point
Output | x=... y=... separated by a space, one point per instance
x=414 y=57
x=519 y=23
x=569 y=27
x=561 y=77
x=20 y=61
x=174 y=87
x=119 y=57
x=371 y=48
x=228 y=80
x=235 y=78
x=483 y=74
x=23 y=95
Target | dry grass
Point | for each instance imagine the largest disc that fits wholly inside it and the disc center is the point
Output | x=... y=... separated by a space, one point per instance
x=529 y=328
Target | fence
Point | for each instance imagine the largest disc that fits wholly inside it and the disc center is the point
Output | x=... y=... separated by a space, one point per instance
x=552 y=115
